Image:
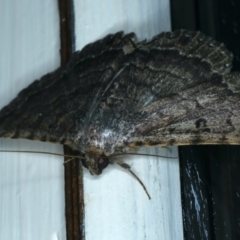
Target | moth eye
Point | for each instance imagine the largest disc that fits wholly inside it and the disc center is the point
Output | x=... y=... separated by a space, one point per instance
x=102 y=162
x=84 y=163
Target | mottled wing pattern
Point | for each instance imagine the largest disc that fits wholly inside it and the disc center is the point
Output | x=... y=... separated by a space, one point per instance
x=175 y=89
x=194 y=97
x=57 y=107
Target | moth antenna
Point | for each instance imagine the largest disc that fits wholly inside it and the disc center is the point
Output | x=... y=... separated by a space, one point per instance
x=141 y=154
x=71 y=159
x=127 y=167
x=37 y=152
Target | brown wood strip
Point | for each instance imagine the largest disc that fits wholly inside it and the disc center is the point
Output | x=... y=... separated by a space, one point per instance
x=73 y=171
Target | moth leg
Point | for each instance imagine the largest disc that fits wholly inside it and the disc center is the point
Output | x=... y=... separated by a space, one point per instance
x=128 y=168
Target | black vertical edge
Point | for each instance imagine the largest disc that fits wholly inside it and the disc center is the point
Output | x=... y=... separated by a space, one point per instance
x=196 y=192
x=210 y=175
x=74 y=199
x=228 y=21
x=234 y=178
x=207 y=12
x=183 y=14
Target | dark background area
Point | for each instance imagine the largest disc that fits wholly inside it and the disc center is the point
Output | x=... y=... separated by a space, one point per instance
x=210 y=174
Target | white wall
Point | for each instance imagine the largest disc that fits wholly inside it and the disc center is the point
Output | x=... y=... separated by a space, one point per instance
x=31 y=186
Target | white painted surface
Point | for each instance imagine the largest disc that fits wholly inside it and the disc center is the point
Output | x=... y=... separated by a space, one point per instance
x=31 y=186
x=116 y=206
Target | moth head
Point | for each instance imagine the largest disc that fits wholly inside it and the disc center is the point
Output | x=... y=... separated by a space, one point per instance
x=95 y=163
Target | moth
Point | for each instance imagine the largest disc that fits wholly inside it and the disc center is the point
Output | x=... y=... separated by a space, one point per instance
x=117 y=94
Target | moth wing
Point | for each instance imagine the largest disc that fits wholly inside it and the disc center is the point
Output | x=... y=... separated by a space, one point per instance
x=119 y=92
x=174 y=89
x=208 y=113
x=56 y=107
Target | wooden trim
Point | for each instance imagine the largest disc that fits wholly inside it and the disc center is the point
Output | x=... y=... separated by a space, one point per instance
x=73 y=171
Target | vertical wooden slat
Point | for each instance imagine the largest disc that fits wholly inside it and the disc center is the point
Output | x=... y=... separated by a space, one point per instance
x=73 y=172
